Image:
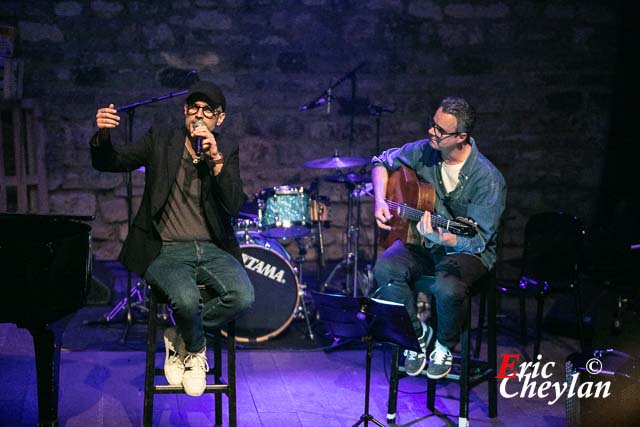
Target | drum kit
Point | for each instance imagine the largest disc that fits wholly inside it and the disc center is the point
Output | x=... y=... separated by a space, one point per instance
x=291 y=212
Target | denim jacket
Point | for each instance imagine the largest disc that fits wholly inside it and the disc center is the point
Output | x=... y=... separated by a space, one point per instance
x=480 y=195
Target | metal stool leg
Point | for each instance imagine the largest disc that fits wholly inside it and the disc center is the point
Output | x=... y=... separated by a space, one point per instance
x=465 y=357
x=480 y=327
x=393 y=384
x=539 y=311
x=217 y=374
x=218 y=388
x=150 y=365
x=231 y=373
x=492 y=350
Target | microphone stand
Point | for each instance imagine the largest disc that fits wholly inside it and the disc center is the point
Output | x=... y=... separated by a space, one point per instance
x=326 y=96
x=125 y=304
x=377 y=111
x=352 y=75
x=151 y=100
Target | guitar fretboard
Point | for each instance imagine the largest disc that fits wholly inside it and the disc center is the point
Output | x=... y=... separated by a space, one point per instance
x=413 y=214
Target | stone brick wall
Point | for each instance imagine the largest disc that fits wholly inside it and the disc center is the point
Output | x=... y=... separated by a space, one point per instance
x=542 y=75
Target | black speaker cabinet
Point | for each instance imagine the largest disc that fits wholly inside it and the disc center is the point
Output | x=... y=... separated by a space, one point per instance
x=621 y=408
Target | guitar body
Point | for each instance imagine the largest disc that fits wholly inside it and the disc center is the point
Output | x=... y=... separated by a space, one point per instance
x=404 y=187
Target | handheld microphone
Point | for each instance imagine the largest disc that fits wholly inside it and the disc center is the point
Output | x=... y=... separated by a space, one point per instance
x=198 y=122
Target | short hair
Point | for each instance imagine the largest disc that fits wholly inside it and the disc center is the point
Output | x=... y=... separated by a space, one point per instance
x=463 y=111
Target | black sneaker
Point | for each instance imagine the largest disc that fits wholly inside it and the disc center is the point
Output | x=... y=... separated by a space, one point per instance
x=415 y=362
x=440 y=361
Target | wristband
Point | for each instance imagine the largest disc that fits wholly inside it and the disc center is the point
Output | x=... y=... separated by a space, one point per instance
x=219 y=160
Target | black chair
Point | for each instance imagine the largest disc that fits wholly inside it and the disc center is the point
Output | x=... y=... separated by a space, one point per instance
x=467 y=371
x=550 y=264
x=151 y=388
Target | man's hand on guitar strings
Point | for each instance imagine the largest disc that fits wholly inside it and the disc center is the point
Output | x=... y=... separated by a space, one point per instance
x=437 y=236
x=382 y=214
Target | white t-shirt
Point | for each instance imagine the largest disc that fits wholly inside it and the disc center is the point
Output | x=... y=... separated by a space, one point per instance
x=450 y=176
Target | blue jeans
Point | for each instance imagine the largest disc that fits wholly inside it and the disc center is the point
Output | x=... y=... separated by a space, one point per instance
x=400 y=266
x=177 y=271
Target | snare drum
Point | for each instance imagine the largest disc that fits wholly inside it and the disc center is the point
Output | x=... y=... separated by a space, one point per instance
x=276 y=290
x=245 y=228
x=284 y=212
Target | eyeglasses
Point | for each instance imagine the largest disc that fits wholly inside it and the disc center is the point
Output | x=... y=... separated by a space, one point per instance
x=207 y=111
x=439 y=132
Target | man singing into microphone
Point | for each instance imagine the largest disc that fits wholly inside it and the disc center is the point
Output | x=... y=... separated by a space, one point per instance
x=182 y=234
x=466 y=184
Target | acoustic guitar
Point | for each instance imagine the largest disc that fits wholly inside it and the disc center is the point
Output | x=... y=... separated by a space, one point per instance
x=408 y=198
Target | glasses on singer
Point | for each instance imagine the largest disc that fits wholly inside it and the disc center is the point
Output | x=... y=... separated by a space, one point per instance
x=439 y=132
x=207 y=111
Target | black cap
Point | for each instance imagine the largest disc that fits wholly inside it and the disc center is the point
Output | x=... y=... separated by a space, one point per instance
x=207 y=92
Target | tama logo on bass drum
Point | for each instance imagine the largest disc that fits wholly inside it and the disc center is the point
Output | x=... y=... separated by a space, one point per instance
x=263 y=268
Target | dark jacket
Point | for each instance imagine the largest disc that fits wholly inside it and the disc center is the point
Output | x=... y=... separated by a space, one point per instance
x=159 y=151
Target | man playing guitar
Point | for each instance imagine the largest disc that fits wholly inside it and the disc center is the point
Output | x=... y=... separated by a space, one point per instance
x=466 y=185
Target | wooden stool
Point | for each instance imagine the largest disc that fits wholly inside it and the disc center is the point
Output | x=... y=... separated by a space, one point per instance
x=466 y=371
x=218 y=387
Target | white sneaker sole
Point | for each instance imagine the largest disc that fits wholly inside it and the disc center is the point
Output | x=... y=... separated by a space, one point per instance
x=194 y=390
x=437 y=377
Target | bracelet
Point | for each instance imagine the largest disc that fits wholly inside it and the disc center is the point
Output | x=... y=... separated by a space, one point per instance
x=219 y=160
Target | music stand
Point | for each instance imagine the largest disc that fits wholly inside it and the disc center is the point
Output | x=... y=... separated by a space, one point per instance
x=370 y=319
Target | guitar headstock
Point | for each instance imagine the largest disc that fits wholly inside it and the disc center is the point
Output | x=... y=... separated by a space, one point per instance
x=465 y=227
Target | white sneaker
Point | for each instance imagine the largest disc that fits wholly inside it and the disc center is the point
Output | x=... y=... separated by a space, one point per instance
x=174 y=355
x=194 y=379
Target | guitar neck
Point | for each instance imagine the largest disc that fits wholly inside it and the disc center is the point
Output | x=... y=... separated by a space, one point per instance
x=413 y=214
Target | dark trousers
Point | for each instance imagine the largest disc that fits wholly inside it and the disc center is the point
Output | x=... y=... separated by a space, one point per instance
x=178 y=270
x=399 y=267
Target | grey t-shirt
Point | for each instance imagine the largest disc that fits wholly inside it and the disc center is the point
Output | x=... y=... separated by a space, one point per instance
x=183 y=218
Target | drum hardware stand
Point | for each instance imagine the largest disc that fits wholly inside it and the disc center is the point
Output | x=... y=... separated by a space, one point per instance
x=350 y=262
x=302 y=251
x=353 y=230
x=321 y=261
x=321 y=210
x=138 y=292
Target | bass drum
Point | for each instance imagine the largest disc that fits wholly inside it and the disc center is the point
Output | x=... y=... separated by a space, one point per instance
x=276 y=289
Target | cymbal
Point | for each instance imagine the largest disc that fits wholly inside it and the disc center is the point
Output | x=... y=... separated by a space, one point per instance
x=335 y=162
x=352 y=178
